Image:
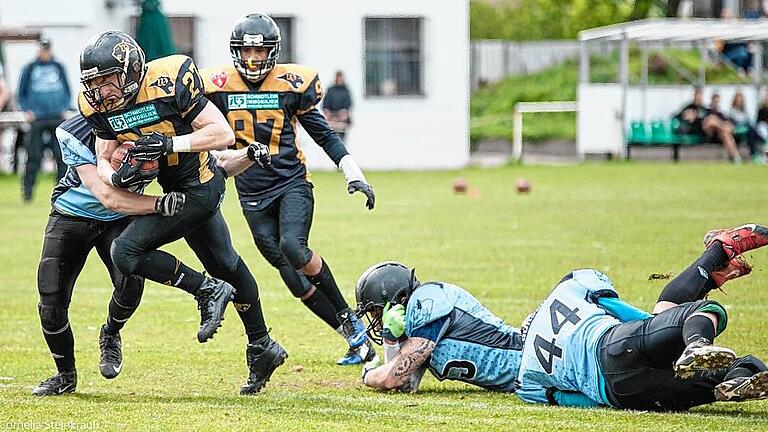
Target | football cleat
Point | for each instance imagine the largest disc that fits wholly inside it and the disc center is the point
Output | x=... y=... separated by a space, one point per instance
x=262 y=358
x=111 y=359
x=352 y=329
x=355 y=356
x=62 y=382
x=701 y=355
x=212 y=298
x=738 y=240
x=736 y=267
x=743 y=388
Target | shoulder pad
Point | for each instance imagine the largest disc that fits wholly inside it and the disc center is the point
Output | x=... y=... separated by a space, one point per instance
x=160 y=79
x=427 y=303
x=85 y=108
x=289 y=78
x=223 y=79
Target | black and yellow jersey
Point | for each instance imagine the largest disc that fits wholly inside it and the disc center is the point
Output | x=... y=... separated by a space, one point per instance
x=267 y=112
x=169 y=98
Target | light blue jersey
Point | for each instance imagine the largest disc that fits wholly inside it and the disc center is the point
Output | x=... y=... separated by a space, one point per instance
x=70 y=196
x=561 y=342
x=472 y=344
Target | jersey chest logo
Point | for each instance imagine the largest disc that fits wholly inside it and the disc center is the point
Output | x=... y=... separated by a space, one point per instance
x=133 y=118
x=291 y=78
x=253 y=101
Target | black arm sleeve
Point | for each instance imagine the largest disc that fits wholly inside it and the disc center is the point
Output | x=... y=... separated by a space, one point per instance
x=318 y=128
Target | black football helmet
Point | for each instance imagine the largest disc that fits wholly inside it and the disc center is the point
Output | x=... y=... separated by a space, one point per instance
x=255 y=30
x=385 y=282
x=106 y=53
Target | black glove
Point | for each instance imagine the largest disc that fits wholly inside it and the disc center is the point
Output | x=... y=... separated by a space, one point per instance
x=170 y=204
x=361 y=186
x=151 y=147
x=127 y=175
x=259 y=153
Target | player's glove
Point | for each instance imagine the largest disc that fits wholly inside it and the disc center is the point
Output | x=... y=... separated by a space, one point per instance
x=151 y=147
x=371 y=365
x=393 y=322
x=170 y=204
x=361 y=186
x=127 y=176
x=259 y=153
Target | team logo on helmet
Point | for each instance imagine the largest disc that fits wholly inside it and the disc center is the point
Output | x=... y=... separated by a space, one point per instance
x=294 y=80
x=122 y=50
x=163 y=83
x=219 y=79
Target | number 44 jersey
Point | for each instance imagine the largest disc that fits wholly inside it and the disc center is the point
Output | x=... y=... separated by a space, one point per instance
x=561 y=340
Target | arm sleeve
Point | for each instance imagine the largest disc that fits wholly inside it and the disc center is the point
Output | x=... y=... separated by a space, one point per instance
x=573 y=399
x=622 y=310
x=318 y=128
x=190 y=90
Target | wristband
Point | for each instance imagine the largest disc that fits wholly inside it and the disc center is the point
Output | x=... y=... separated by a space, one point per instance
x=351 y=170
x=181 y=144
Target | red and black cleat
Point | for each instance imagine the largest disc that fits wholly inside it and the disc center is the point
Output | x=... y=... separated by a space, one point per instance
x=736 y=267
x=738 y=240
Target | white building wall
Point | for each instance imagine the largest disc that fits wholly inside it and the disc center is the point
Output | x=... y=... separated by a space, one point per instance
x=429 y=132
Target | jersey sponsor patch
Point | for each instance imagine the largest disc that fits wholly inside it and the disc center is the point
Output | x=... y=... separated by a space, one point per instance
x=253 y=101
x=133 y=118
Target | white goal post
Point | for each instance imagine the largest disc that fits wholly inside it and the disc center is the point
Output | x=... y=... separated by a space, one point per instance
x=533 y=107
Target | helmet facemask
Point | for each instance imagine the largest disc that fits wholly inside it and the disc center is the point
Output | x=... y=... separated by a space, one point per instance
x=372 y=299
x=254 y=70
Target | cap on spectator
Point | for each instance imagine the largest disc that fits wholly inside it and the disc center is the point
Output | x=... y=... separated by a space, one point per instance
x=45 y=43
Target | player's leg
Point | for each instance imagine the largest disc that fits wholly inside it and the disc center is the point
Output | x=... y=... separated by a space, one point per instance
x=721 y=262
x=65 y=248
x=266 y=236
x=126 y=296
x=296 y=209
x=135 y=253
x=747 y=379
x=212 y=244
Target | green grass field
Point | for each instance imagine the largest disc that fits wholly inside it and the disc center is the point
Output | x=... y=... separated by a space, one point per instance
x=629 y=220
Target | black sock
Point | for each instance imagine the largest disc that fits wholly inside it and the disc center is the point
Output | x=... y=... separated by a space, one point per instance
x=319 y=304
x=117 y=316
x=325 y=282
x=697 y=327
x=247 y=301
x=164 y=268
x=694 y=282
x=62 y=347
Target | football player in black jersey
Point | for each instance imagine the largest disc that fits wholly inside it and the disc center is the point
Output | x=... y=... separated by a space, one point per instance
x=263 y=102
x=160 y=107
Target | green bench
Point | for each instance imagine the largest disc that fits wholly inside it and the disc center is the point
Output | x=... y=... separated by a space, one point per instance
x=660 y=134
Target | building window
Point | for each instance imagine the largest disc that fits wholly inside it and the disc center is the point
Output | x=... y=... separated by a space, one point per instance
x=182 y=31
x=393 y=60
x=285 y=24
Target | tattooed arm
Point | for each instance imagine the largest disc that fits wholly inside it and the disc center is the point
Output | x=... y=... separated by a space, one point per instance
x=414 y=352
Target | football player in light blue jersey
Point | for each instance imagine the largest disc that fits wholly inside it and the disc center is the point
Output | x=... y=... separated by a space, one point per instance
x=88 y=214
x=585 y=347
x=442 y=327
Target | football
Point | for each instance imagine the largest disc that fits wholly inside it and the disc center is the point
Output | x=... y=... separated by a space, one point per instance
x=119 y=154
x=460 y=186
x=523 y=186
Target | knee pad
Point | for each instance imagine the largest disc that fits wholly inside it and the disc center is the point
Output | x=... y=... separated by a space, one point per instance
x=716 y=308
x=128 y=291
x=54 y=318
x=296 y=251
x=125 y=261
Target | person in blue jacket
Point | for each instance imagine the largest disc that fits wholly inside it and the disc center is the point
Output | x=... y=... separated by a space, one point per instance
x=44 y=96
x=582 y=347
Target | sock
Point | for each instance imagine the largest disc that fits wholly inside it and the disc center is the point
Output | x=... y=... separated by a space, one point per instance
x=694 y=282
x=697 y=327
x=247 y=301
x=62 y=347
x=319 y=304
x=390 y=350
x=325 y=282
x=164 y=268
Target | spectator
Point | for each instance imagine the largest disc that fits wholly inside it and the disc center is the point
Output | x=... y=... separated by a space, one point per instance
x=744 y=131
x=737 y=53
x=762 y=119
x=695 y=119
x=45 y=96
x=4 y=93
x=336 y=106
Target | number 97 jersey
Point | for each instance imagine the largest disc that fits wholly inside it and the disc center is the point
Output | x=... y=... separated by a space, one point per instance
x=561 y=340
